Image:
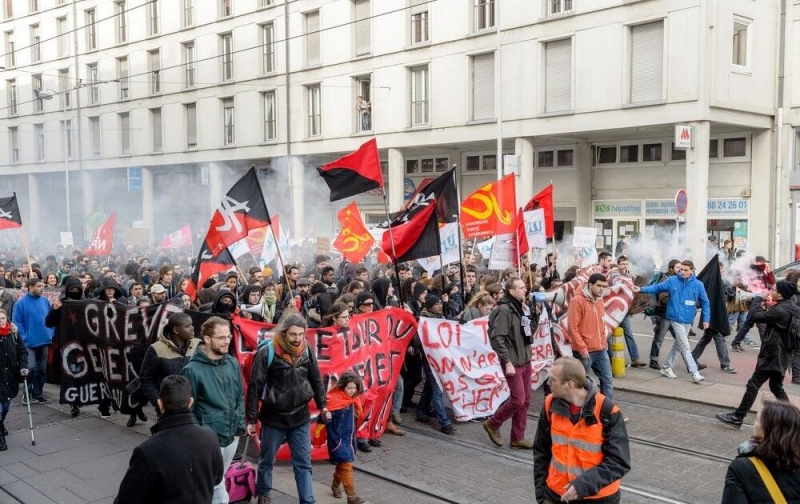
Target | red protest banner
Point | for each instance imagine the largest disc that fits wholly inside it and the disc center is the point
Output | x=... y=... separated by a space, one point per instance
x=374 y=346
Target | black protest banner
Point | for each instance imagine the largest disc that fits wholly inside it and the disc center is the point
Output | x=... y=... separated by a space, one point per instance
x=99 y=341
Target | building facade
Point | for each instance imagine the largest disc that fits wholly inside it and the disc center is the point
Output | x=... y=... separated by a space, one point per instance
x=158 y=106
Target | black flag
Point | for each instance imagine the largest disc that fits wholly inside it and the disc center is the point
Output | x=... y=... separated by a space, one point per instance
x=715 y=290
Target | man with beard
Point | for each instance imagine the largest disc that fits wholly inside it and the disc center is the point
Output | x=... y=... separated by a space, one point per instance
x=218 y=392
x=158 y=293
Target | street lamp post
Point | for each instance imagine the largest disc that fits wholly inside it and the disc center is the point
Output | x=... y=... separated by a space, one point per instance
x=48 y=94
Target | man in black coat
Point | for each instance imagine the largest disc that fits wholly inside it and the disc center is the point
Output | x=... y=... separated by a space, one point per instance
x=181 y=463
x=774 y=358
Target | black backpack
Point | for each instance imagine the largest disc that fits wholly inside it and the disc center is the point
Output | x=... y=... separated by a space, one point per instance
x=791 y=338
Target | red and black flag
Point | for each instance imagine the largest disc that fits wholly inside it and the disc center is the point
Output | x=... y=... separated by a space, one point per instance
x=241 y=210
x=206 y=266
x=9 y=213
x=414 y=238
x=355 y=173
x=443 y=191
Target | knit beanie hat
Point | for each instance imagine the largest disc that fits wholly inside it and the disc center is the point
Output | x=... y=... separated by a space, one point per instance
x=786 y=289
x=431 y=300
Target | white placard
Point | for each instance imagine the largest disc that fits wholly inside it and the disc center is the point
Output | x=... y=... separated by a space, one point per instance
x=66 y=239
x=583 y=237
x=502 y=255
x=535 y=228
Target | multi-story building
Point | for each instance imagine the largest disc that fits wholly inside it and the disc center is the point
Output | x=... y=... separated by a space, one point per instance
x=187 y=94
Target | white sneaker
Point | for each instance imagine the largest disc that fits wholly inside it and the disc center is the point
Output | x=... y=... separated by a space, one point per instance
x=668 y=373
x=697 y=377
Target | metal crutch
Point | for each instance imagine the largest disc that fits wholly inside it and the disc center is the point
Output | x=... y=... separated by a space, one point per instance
x=27 y=394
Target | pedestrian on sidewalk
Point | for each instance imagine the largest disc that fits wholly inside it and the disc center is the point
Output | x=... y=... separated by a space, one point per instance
x=344 y=402
x=581 y=450
x=633 y=350
x=285 y=386
x=218 y=392
x=660 y=324
x=181 y=463
x=13 y=368
x=793 y=276
x=589 y=332
x=511 y=335
x=772 y=453
x=774 y=357
x=685 y=293
x=29 y=316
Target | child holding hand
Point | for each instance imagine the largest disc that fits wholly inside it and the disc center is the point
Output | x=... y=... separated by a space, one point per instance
x=344 y=405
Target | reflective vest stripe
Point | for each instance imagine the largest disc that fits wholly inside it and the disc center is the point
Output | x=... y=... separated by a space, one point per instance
x=582 y=445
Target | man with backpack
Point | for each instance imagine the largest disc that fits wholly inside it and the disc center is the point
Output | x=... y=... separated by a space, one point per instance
x=285 y=378
x=781 y=337
x=581 y=450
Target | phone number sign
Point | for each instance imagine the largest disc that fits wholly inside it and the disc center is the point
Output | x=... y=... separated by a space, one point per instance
x=728 y=207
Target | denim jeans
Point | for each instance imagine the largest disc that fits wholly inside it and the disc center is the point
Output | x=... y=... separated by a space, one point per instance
x=719 y=342
x=299 y=439
x=4 y=407
x=431 y=393
x=633 y=350
x=737 y=318
x=397 y=396
x=755 y=382
x=220 y=493
x=37 y=363
x=660 y=329
x=681 y=346
x=601 y=365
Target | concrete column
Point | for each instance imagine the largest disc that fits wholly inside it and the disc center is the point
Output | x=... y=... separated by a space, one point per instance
x=396 y=180
x=761 y=226
x=34 y=203
x=583 y=186
x=147 y=201
x=697 y=191
x=523 y=148
x=215 y=189
x=88 y=193
x=296 y=169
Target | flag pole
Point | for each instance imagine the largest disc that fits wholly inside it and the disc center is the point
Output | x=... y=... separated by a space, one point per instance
x=391 y=240
x=283 y=264
x=460 y=249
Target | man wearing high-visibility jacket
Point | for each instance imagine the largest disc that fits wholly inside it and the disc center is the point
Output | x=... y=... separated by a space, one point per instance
x=581 y=449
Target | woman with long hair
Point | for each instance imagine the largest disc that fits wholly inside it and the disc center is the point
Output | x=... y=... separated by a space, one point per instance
x=773 y=453
x=479 y=306
x=51 y=281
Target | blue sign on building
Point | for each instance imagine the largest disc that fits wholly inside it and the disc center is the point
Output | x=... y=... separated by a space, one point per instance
x=135 y=179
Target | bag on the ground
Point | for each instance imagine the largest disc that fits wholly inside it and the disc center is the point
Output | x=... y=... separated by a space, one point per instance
x=240 y=479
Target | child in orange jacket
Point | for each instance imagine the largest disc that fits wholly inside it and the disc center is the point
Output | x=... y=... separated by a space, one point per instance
x=344 y=404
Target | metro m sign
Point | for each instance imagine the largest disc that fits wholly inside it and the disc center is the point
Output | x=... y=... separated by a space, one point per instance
x=684 y=136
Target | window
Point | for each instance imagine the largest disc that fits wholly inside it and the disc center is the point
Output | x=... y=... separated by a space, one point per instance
x=94 y=126
x=267 y=48
x=229 y=122
x=363 y=29
x=566 y=158
x=552 y=158
x=11 y=57
x=122 y=76
x=651 y=152
x=13 y=143
x=363 y=104
x=558 y=76
x=64 y=88
x=155 y=71
x=629 y=154
x=36 y=44
x=482 y=86
x=189 y=62
x=191 y=125
x=121 y=21
x=125 y=133
x=188 y=12
x=91 y=30
x=8 y=10
x=647 y=62
x=38 y=140
x=314 y=110
x=555 y=7
x=66 y=139
x=33 y=5
x=677 y=154
x=312 y=39
x=419 y=27
x=606 y=155
x=225 y=8
x=11 y=86
x=419 y=96
x=734 y=147
x=153 y=22
x=265 y=3
x=713 y=148
x=63 y=40
x=270 y=121
x=155 y=123
x=36 y=86
x=94 y=84
x=435 y=164
x=227 y=56
x=484 y=14
x=545 y=159
x=740 y=32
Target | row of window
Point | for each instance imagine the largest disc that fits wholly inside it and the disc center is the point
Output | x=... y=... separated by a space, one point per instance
x=734 y=147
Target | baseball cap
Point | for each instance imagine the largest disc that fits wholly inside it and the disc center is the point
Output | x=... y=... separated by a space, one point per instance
x=157 y=289
x=761 y=259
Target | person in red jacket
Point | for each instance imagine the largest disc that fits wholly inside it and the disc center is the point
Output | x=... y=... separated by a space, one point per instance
x=588 y=330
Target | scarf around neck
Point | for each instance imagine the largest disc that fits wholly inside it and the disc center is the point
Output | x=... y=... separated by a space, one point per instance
x=286 y=351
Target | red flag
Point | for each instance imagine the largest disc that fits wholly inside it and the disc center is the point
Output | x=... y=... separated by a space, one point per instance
x=416 y=238
x=544 y=200
x=241 y=210
x=354 y=241
x=490 y=210
x=177 y=239
x=9 y=213
x=103 y=238
x=206 y=266
x=522 y=237
x=355 y=173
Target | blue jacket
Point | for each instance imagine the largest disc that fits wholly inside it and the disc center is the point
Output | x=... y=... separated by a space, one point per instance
x=684 y=295
x=29 y=314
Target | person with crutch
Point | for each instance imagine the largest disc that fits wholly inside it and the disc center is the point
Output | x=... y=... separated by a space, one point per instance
x=13 y=365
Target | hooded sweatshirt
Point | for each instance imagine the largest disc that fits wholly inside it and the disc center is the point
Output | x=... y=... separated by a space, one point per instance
x=30 y=313
x=585 y=317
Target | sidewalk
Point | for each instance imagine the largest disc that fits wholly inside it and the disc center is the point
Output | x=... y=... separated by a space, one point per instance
x=82 y=460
